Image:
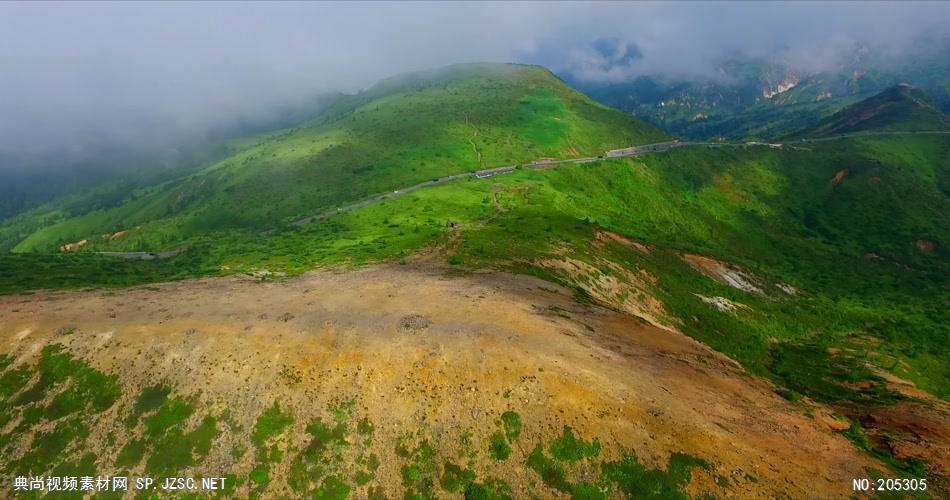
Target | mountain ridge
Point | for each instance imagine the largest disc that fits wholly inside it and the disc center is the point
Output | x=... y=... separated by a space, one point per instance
x=902 y=107
x=768 y=97
x=407 y=129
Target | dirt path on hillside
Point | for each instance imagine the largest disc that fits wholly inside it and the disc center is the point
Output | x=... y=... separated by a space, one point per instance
x=421 y=349
x=499 y=208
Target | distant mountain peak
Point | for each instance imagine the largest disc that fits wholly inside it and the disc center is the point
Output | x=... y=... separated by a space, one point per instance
x=902 y=107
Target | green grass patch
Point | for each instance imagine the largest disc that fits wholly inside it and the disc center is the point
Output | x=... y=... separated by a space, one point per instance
x=176 y=449
x=131 y=454
x=15 y=379
x=270 y=424
x=636 y=481
x=455 y=479
x=79 y=393
x=812 y=370
x=364 y=427
x=490 y=489
x=911 y=467
x=323 y=457
x=419 y=472
x=498 y=447
x=150 y=399
x=512 y=424
x=260 y=474
x=48 y=447
x=552 y=473
x=588 y=491
x=171 y=414
x=569 y=448
x=332 y=488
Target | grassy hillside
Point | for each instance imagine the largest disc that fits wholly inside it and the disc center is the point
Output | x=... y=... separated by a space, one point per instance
x=860 y=225
x=868 y=253
x=403 y=131
x=868 y=250
x=849 y=276
x=899 y=108
x=822 y=266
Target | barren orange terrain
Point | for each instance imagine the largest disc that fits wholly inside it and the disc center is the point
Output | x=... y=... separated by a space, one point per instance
x=438 y=355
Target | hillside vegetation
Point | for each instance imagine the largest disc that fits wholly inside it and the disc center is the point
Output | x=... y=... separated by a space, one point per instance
x=899 y=108
x=822 y=266
x=403 y=131
x=860 y=225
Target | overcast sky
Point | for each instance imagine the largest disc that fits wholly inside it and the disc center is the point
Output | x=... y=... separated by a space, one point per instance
x=75 y=76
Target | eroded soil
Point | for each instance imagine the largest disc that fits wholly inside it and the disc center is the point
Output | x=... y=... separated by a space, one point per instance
x=437 y=353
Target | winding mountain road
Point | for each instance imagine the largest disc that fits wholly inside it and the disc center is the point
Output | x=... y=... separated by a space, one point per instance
x=632 y=151
x=142 y=255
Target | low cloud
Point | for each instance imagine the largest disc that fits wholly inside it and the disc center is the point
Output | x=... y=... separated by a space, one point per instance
x=689 y=40
x=79 y=77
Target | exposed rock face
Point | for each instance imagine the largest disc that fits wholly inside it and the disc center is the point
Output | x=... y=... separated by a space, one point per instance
x=722 y=303
x=783 y=87
x=607 y=236
x=723 y=272
x=926 y=245
x=779 y=81
x=69 y=247
x=789 y=289
x=839 y=176
x=621 y=288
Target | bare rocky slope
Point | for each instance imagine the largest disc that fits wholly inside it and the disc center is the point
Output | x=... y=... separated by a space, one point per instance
x=416 y=364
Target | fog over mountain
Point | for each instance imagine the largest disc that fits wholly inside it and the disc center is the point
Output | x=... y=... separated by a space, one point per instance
x=480 y=250
x=80 y=78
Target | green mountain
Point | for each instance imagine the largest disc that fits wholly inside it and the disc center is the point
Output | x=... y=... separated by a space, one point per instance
x=821 y=266
x=748 y=98
x=111 y=170
x=769 y=97
x=403 y=131
x=899 y=108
